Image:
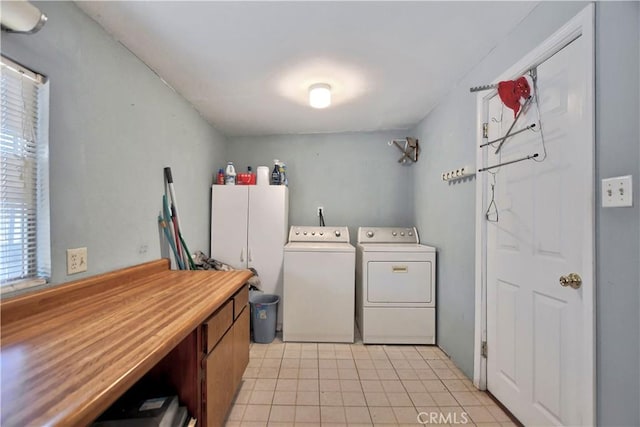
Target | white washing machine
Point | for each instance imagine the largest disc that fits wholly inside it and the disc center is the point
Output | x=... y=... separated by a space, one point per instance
x=395 y=287
x=319 y=285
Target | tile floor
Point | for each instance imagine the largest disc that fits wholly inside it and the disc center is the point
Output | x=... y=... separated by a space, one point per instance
x=305 y=384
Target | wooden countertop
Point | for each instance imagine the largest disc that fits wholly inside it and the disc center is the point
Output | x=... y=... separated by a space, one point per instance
x=70 y=351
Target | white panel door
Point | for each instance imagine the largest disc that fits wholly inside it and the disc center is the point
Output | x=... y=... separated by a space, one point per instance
x=536 y=327
x=229 y=206
x=267 y=234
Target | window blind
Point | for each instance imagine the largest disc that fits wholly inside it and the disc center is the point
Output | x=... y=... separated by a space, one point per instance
x=24 y=189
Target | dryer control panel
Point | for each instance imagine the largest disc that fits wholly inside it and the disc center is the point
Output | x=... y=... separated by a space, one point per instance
x=318 y=234
x=388 y=235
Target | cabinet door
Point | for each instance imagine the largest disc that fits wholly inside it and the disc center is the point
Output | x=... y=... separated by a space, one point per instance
x=229 y=208
x=240 y=346
x=219 y=381
x=268 y=222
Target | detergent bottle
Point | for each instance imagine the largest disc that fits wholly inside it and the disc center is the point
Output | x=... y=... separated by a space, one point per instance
x=275 y=175
x=230 y=174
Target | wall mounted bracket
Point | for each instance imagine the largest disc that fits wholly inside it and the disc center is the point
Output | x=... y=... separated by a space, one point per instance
x=409 y=148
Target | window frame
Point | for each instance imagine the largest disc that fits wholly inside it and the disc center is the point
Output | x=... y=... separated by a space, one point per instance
x=40 y=272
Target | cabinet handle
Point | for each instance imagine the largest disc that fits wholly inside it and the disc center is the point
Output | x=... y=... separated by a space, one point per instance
x=242 y=255
x=249 y=253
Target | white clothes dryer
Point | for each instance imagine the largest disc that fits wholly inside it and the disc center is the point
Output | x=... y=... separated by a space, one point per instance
x=319 y=285
x=395 y=287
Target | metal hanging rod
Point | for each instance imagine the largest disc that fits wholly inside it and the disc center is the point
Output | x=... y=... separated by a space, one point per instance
x=507 y=136
x=533 y=156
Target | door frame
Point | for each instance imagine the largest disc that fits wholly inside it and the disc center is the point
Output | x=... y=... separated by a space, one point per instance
x=582 y=25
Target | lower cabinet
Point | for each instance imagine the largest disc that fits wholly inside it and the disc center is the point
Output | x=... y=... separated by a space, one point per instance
x=240 y=347
x=219 y=381
x=226 y=355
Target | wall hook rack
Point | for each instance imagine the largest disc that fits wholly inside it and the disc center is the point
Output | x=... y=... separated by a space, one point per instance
x=456 y=174
x=409 y=148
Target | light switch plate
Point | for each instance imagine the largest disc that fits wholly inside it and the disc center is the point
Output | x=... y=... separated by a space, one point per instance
x=617 y=192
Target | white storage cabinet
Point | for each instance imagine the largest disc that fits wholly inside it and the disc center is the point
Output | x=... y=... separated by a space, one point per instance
x=249 y=226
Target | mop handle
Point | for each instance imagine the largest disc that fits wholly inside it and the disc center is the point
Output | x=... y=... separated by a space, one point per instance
x=167 y=218
x=167 y=234
x=167 y=175
x=174 y=203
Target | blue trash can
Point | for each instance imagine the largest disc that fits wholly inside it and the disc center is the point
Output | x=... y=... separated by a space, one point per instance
x=264 y=311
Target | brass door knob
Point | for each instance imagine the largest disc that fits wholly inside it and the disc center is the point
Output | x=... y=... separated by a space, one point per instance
x=572 y=279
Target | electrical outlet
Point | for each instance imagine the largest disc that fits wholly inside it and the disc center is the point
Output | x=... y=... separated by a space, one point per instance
x=76 y=260
x=320 y=209
x=617 y=192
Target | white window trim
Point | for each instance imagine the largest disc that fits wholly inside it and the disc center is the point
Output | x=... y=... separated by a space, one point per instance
x=43 y=248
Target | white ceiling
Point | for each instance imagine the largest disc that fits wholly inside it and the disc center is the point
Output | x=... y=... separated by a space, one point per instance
x=246 y=66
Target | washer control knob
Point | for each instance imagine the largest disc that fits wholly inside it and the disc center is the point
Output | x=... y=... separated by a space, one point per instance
x=305 y=233
x=395 y=233
x=402 y=233
x=321 y=233
x=337 y=233
x=297 y=233
x=313 y=233
x=370 y=233
x=411 y=233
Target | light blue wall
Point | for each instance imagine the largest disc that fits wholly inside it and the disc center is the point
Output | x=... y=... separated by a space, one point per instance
x=113 y=127
x=448 y=134
x=354 y=176
x=618 y=229
x=445 y=211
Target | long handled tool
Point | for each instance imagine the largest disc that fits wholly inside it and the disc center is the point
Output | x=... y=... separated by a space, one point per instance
x=169 y=237
x=192 y=265
x=176 y=230
x=170 y=232
x=188 y=262
x=174 y=210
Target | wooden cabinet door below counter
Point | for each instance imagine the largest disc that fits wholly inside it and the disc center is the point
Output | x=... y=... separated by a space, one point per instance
x=240 y=346
x=219 y=381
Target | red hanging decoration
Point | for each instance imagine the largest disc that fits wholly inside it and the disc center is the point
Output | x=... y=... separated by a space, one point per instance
x=514 y=92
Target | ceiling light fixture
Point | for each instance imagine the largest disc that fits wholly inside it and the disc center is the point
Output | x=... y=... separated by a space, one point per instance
x=21 y=17
x=320 y=95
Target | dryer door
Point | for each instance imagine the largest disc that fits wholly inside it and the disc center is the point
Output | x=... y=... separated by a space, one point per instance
x=399 y=282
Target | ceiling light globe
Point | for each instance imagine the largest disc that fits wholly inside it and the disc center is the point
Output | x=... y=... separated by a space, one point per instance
x=320 y=95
